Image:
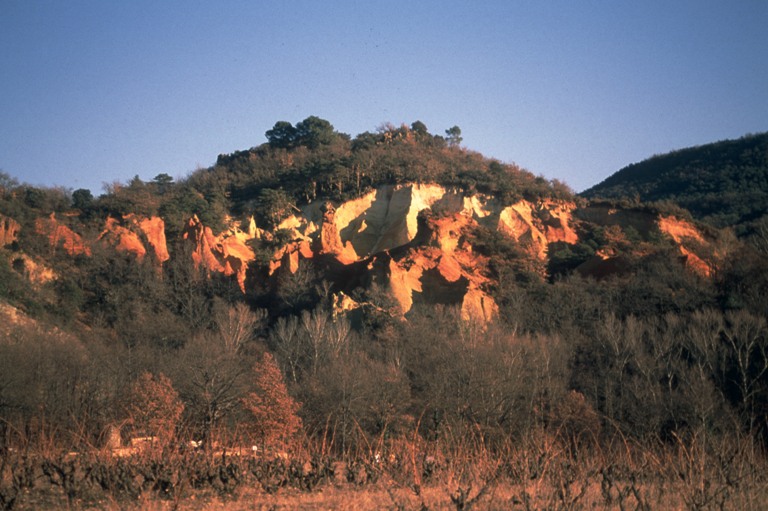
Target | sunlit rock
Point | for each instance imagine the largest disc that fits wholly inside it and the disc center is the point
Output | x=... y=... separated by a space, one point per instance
x=59 y=235
x=9 y=230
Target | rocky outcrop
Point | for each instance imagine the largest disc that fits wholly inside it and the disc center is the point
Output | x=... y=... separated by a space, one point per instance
x=381 y=220
x=9 y=230
x=536 y=225
x=330 y=241
x=122 y=239
x=225 y=253
x=59 y=235
x=137 y=236
x=154 y=230
x=34 y=270
x=412 y=240
x=129 y=234
x=441 y=268
x=617 y=256
x=388 y=218
x=376 y=235
x=687 y=238
x=679 y=230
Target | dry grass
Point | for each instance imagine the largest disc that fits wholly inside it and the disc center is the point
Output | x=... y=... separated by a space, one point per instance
x=458 y=472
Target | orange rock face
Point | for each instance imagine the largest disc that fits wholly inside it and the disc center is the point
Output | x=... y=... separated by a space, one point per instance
x=536 y=225
x=432 y=262
x=685 y=234
x=125 y=235
x=330 y=239
x=154 y=229
x=36 y=272
x=123 y=239
x=679 y=230
x=612 y=260
x=136 y=236
x=429 y=262
x=204 y=243
x=61 y=235
x=226 y=253
x=442 y=269
x=9 y=230
x=557 y=218
x=412 y=239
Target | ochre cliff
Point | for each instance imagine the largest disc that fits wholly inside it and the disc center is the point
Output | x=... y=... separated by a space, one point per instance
x=137 y=236
x=412 y=240
x=382 y=228
x=60 y=235
x=687 y=238
x=9 y=230
x=154 y=230
x=225 y=253
x=129 y=234
x=123 y=239
x=387 y=218
x=690 y=242
x=536 y=225
x=442 y=268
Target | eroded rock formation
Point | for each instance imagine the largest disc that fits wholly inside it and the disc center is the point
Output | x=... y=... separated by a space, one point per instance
x=225 y=253
x=412 y=240
x=687 y=238
x=59 y=235
x=9 y=230
x=137 y=236
x=35 y=271
x=536 y=225
x=123 y=239
x=154 y=229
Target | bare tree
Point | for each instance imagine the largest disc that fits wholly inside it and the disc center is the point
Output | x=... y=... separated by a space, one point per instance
x=747 y=339
x=325 y=335
x=286 y=340
x=702 y=339
x=211 y=382
x=237 y=324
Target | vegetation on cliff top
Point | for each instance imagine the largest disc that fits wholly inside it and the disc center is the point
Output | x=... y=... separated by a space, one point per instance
x=298 y=164
x=724 y=183
x=311 y=162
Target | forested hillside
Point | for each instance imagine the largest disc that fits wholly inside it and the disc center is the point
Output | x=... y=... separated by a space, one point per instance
x=724 y=183
x=389 y=296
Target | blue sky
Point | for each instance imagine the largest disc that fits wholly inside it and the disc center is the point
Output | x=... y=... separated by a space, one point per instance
x=93 y=92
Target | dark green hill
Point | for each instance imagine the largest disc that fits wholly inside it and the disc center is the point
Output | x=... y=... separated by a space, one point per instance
x=724 y=183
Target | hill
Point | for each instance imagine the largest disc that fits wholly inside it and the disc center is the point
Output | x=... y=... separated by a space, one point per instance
x=724 y=183
x=391 y=293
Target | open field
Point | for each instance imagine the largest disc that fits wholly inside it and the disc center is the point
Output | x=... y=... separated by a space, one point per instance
x=544 y=474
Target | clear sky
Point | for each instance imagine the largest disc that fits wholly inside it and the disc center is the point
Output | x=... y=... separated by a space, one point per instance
x=97 y=91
